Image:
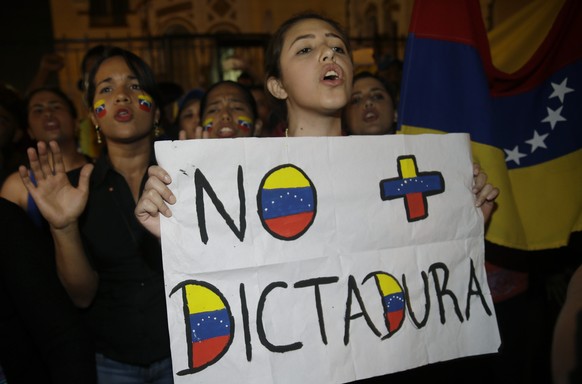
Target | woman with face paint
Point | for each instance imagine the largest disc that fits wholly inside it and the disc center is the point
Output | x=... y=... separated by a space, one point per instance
x=227 y=110
x=106 y=261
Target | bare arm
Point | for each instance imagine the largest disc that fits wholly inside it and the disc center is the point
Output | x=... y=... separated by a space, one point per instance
x=14 y=191
x=61 y=204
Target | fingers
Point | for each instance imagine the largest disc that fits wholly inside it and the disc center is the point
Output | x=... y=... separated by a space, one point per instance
x=34 y=162
x=182 y=135
x=201 y=133
x=487 y=194
x=58 y=163
x=479 y=181
x=155 y=171
x=198 y=133
x=40 y=160
x=157 y=190
x=25 y=177
x=153 y=204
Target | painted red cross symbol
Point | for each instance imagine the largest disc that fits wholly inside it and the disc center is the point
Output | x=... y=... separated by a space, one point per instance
x=413 y=186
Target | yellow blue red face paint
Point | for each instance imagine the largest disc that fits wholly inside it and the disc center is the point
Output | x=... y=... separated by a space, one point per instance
x=145 y=103
x=245 y=123
x=207 y=124
x=99 y=108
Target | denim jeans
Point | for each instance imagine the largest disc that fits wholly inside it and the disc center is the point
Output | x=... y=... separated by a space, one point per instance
x=113 y=372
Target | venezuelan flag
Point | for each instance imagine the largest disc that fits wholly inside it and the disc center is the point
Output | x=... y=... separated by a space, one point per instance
x=518 y=92
x=210 y=325
x=287 y=202
x=392 y=300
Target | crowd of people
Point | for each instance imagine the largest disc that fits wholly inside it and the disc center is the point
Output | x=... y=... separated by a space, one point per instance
x=90 y=217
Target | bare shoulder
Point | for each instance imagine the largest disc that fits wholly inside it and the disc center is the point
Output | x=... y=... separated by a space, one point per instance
x=13 y=189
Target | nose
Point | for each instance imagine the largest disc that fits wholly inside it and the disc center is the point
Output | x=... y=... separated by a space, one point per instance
x=48 y=111
x=328 y=54
x=225 y=116
x=122 y=98
x=369 y=102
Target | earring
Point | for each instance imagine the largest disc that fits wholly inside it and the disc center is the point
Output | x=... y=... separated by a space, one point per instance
x=98 y=133
x=156 y=129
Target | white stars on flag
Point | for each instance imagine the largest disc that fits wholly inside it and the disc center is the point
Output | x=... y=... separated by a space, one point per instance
x=553 y=118
x=514 y=155
x=560 y=90
x=537 y=141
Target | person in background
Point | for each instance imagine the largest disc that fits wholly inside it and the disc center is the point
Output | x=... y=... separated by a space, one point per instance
x=106 y=261
x=170 y=93
x=389 y=69
x=372 y=107
x=188 y=116
x=227 y=110
x=271 y=126
x=51 y=117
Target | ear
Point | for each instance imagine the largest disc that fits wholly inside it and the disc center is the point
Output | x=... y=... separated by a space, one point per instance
x=276 y=88
x=258 y=128
x=157 y=114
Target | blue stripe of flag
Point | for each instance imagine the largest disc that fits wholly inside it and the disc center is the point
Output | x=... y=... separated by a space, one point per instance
x=207 y=325
x=286 y=201
x=400 y=187
x=394 y=301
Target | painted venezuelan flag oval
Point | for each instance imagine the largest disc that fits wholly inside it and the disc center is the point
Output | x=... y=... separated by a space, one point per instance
x=286 y=202
x=392 y=299
x=209 y=324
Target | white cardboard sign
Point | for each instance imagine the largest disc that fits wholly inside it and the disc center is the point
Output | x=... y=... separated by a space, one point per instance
x=325 y=259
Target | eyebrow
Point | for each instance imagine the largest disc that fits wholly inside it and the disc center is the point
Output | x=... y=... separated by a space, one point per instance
x=49 y=102
x=230 y=99
x=312 y=36
x=110 y=79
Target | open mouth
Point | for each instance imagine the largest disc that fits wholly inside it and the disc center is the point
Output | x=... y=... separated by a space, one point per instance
x=51 y=125
x=226 y=132
x=332 y=72
x=369 y=116
x=123 y=115
x=331 y=75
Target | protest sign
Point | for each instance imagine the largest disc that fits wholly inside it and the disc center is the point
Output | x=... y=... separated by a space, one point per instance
x=324 y=259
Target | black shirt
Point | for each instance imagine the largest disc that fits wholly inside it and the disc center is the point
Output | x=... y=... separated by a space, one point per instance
x=42 y=337
x=128 y=314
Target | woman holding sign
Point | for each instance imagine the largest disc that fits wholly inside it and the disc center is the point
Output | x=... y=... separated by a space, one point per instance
x=309 y=74
x=106 y=261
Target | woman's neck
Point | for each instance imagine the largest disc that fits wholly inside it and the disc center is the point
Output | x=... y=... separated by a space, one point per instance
x=131 y=160
x=314 y=124
x=126 y=157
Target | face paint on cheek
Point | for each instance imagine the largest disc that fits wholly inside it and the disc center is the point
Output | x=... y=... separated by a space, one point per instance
x=145 y=103
x=245 y=123
x=207 y=124
x=99 y=108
